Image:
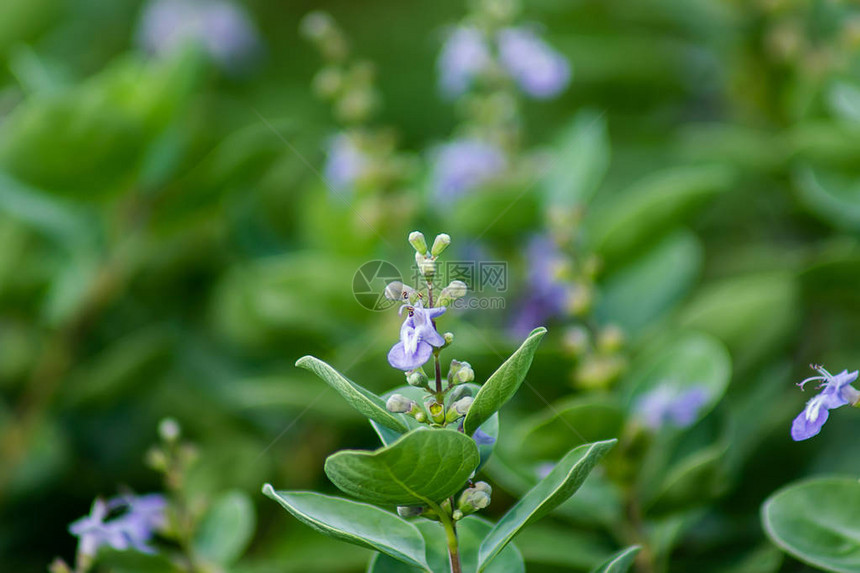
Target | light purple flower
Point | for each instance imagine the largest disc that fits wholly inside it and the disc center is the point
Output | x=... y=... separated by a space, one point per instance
x=546 y=291
x=463 y=165
x=670 y=405
x=418 y=336
x=464 y=56
x=345 y=164
x=223 y=29
x=538 y=69
x=837 y=392
x=133 y=528
x=483 y=438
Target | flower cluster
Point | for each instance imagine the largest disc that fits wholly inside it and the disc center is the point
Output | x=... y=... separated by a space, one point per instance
x=123 y=522
x=463 y=165
x=468 y=55
x=836 y=391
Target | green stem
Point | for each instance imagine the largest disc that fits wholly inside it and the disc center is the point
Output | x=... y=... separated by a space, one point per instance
x=451 y=537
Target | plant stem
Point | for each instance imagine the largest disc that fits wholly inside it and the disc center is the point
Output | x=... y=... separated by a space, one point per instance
x=438 y=374
x=451 y=536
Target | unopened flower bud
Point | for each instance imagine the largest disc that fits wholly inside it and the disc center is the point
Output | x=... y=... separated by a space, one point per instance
x=399 y=404
x=416 y=239
x=576 y=340
x=474 y=498
x=398 y=291
x=610 y=339
x=316 y=25
x=458 y=409
x=328 y=82
x=426 y=265
x=452 y=292
x=579 y=300
x=419 y=416
x=169 y=430
x=409 y=510
x=460 y=392
x=417 y=378
x=156 y=459
x=449 y=338
x=457 y=515
x=440 y=243
x=464 y=374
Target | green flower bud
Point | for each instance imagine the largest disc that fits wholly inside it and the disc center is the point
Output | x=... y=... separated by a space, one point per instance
x=458 y=409
x=316 y=25
x=169 y=430
x=420 y=416
x=417 y=378
x=457 y=515
x=474 y=498
x=610 y=339
x=460 y=392
x=328 y=82
x=449 y=338
x=409 y=511
x=440 y=243
x=416 y=239
x=576 y=340
x=452 y=292
x=399 y=404
x=464 y=374
x=426 y=265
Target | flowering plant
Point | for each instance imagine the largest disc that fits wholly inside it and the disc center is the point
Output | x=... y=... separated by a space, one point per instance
x=437 y=433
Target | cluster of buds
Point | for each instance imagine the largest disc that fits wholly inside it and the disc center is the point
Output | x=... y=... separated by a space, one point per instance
x=460 y=373
x=425 y=258
x=172 y=457
x=599 y=358
x=473 y=499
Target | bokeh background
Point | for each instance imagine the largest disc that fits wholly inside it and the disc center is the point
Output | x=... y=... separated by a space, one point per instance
x=170 y=248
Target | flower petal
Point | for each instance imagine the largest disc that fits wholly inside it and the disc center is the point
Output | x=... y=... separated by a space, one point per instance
x=400 y=359
x=803 y=428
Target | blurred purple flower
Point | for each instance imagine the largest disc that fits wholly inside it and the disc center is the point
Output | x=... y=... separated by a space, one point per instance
x=837 y=392
x=483 y=438
x=546 y=291
x=418 y=336
x=345 y=164
x=538 y=69
x=223 y=29
x=462 y=165
x=132 y=529
x=670 y=405
x=464 y=56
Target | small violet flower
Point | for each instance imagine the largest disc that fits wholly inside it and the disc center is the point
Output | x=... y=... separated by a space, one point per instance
x=131 y=529
x=546 y=291
x=462 y=165
x=346 y=163
x=223 y=29
x=418 y=336
x=837 y=391
x=464 y=56
x=538 y=69
x=668 y=404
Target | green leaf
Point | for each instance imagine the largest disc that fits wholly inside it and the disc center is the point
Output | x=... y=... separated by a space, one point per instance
x=581 y=162
x=834 y=197
x=357 y=523
x=561 y=546
x=423 y=467
x=503 y=384
x=641 y=292
x=561 y=483
x=470 y=532
x=647 y=211
x=815 y=521
x=620 y=562
x=226 y=529
x=363 y=400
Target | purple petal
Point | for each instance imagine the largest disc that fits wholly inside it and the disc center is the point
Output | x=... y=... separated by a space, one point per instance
x=399 y=358
x=483 y=438
x=803 y=428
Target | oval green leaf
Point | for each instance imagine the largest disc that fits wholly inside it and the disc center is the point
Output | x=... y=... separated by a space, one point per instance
x=423 y=467
x=354 y=522
x=363 y=400
x=503 y=384
x=816 y=522
x=226 y=529
x=561 y=483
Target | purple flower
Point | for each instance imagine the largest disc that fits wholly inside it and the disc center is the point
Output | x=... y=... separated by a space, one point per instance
x=483 y=438
x=462 y=165
x=837 y=392
x=546 y=292
x=418 y=336
x=132 y=529
x=668 y=404
x=346 y=163
x=223 y=29
x=464 y=56
x=538 y=69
